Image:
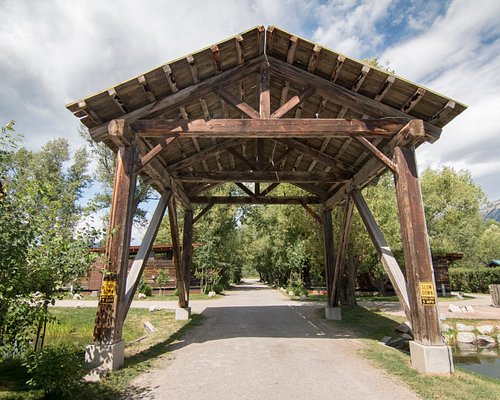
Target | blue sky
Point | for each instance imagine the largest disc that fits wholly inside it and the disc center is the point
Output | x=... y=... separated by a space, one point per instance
x=55 y=52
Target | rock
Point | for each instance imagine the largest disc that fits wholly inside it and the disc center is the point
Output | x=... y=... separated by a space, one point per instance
x=95 y=375
x=154 y=308
x=464 y=328
x=142 y=296
x=466 y=337
x=467 y=349
x=446 y=328
x=80 y=305
x=459 y=296
x=77 y=296
x=454 y=308
x=484 y=339
x=405 y=327
x=385 y=339
x=290 y=293
x=211 y=294
x=406 y=336
x=149 y=327
x=485 y=329
x=468 y=309
x=489 y=351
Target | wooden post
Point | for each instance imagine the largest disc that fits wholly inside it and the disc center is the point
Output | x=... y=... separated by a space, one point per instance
x=142 y=256
x=187 y=251
x=328 y=249
x=419 y=271
x=110 y=311
x=341 y=253
x=174 y=231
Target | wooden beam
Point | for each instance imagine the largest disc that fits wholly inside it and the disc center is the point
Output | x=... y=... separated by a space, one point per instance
x=110 y=310
x=238 y=43
x=312 y=213
x=260 y=176
x=292 y=46
x=187 y=252
x=385 y=255
x=118 y=101
x=411 y=133
x=389 y=81
x=145 y=87
x=184 y=96
x=284 y=93
x=245 y=189
x=294 y=102
x=202 y=213
x=177 y=255
x=90 y=112
x=413 y=100
x=355 y=87
x=269 y=189
x=341 y=254
x=255 y=200
x=142 y=256
x=237 y=103
x=170 y=78
x=418 y=264
x=311 y=188
x=337 y=68
x=377 y=153
x=243 y=159
x=275 y=128
x=202 y=155
x=328 y=251
x=265 y=93
x=311 y=66
x=442 y=117
x=146 y=159
x=193 y=69
x=216 y=59
x=355 y=101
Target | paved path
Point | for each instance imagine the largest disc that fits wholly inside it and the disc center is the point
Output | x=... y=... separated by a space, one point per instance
x=256 y=344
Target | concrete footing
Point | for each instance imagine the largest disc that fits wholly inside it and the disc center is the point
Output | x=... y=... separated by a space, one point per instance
x=431 y=359
x=182 y=314
x=333 y=313
x=108 y=357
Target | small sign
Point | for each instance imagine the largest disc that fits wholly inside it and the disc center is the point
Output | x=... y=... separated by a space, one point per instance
x=427 y=294
x=108 y=292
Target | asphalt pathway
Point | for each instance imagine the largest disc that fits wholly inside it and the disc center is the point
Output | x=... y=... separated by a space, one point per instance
x=257 y=344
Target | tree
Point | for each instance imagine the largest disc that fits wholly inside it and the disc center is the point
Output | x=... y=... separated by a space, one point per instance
x=40 y=250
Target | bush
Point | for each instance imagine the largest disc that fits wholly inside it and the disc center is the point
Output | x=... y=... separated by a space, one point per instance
x=476 y=280
x=145 y=287
x=55 y=370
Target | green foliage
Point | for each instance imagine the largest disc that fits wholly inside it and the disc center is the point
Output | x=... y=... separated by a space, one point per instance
x=145 y=287
x=474 y=280
x=56 y=370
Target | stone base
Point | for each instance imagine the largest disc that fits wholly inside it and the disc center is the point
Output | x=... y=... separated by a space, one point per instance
x=333 y=313
x=108 y=357
x=431 y=359
x=182 y=314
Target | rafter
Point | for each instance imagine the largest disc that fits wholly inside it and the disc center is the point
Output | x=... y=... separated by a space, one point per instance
x=236 y=102
x=294 y=102
x=255 y=200
x=269 y=189
x=260 y=176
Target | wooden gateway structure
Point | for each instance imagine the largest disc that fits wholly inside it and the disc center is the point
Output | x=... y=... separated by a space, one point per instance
x=267 y=107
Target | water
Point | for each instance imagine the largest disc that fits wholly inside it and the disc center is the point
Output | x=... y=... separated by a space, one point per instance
x=481 y=360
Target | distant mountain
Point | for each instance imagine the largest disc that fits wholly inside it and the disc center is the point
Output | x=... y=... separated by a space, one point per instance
x=492 y=211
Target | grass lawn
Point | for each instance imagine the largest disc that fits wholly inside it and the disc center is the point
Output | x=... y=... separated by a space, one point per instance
x=76 y=326
x=372 y=326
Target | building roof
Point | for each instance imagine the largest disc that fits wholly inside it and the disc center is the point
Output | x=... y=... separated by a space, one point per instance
x=224 y=82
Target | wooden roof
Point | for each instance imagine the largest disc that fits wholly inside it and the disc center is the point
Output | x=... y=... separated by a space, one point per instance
x=224 y=82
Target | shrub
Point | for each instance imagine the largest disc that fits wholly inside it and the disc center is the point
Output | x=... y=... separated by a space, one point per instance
x=474 y=279
x=145 y=287
x=55 y=370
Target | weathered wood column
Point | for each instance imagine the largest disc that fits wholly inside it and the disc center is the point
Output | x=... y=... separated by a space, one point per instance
x=329 y=263
x=428 y=352
x=176 y=249
x=108 y=343
x=187 y=251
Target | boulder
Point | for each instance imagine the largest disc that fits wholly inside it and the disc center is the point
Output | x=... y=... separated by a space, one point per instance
x=486 y=329
x=446 y=328
x=212 y=294
x=468 y=309
x=405 y=327
x=290 y=293
x=80 y=305
x=385 y=339
x=142 y=296
x=148 y=326
x=464 y=328
x=485 y=340
x=466 y=337
x=454 y=308
x=406 y=336
x=77 y=296
x=154 y=308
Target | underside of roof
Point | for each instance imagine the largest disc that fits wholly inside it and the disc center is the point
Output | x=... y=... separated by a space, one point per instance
x=225 y=82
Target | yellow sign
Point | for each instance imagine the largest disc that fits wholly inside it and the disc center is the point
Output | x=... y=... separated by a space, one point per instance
x=108 y=292
x=427 y=294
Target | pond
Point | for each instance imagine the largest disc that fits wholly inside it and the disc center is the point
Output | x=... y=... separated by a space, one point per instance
x=481 y=360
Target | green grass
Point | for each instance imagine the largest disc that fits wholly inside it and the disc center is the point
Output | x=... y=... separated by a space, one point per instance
x=173 y=297
x=371 y=326
x=76 y=326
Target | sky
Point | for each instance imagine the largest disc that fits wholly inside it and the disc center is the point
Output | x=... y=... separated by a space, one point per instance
x=55 y=52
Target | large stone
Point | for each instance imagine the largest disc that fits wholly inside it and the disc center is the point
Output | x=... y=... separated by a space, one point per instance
x=406 y=336
x=446 y=328
x=466 y=337
x=77 y=296
x=454 y=308
x=468 y=309
x=431 y=359
x=464 y=328
x=385 y=339
x=333 y=313
x=485 y=340
x=486 y=329
x=142 y=296
x=405 y=327
x=108 y=357
x=154 y=308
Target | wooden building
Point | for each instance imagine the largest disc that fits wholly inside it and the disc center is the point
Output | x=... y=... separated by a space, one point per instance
x=266 y=107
